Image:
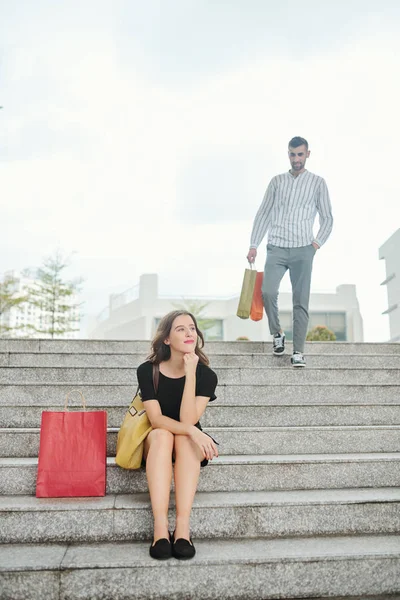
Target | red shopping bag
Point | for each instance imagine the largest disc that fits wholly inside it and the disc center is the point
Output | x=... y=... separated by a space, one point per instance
x=72 y=453
x=257 y=306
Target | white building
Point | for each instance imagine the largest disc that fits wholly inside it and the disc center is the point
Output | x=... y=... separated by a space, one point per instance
x=390 y=253
x=136 y=313
x=23 y=317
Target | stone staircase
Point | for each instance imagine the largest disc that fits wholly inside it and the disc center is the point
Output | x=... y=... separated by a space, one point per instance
x=304 y=501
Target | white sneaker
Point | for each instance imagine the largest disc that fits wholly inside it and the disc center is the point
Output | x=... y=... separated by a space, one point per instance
x=278 y=344
x=298 y=360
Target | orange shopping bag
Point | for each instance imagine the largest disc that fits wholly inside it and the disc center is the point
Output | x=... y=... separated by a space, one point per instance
x=257 y=306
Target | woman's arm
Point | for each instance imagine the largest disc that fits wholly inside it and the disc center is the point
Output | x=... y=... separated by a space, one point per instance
x=159 y=421
x=188 y=410
x=192 y=406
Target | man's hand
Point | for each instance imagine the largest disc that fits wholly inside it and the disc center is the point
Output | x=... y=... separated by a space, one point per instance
x=315 y=245
x=251 y=257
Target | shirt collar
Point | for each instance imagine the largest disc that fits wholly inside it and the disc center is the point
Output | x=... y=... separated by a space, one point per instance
x=303 y=173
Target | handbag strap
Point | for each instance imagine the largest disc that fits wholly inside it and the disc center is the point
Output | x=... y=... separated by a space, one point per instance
x=68 y=395
x=156 y=376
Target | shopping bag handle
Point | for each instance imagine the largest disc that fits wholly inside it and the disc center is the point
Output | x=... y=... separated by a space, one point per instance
x=68 y=395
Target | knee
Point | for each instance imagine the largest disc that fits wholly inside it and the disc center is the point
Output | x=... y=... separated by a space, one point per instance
x=161 y=438
x=268 y=294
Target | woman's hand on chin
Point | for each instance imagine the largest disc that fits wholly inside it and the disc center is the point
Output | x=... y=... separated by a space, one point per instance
x=190 y=360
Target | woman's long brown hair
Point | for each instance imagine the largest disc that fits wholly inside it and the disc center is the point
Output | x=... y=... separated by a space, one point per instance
x=160 y=351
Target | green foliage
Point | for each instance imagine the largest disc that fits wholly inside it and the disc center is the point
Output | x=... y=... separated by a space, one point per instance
x=9 y=298
x=196 y=308
x=321 y=333
x=53 y=295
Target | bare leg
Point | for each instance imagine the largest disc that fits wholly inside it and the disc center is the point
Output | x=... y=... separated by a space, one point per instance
x=187 y=471
x=158 y=448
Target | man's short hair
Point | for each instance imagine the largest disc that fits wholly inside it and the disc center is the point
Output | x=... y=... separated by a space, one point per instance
x=298 y=141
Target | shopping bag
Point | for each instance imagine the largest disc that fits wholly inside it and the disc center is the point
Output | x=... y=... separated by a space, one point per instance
x=257 y=305
x=72 y=453
x=134 y=430
x=246 y=295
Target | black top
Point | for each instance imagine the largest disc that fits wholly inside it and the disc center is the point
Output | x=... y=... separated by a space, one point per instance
x=170 y=390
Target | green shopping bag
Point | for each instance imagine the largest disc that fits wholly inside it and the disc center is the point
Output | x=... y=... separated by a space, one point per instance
x=246 y=295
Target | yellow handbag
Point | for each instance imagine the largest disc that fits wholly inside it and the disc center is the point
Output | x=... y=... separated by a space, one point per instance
x=134 y=430
x=246 y=296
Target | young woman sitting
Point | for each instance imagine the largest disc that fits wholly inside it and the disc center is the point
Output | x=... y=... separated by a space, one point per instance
x=186 y=385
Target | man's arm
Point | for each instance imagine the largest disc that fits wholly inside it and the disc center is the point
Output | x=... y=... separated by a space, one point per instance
x=263 y=216
x=324 y=209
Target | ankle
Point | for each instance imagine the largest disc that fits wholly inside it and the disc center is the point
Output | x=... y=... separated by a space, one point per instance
x=161 y=528
x=182 y=528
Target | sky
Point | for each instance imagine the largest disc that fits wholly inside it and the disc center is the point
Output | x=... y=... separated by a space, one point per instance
x=139 y=137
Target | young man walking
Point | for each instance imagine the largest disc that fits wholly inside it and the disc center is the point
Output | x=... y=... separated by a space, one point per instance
x=288 y=212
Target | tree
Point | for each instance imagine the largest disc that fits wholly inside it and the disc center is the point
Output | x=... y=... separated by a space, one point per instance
x=321 y=333
x=196 y=308
x=55 y=298
x=10 y=298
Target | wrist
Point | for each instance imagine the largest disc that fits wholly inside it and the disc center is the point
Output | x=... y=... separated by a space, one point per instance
x=190 y=373
x=192 y=429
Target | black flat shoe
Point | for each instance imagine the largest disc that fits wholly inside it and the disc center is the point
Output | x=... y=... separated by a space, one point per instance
x=182 y=549
x=161 y=550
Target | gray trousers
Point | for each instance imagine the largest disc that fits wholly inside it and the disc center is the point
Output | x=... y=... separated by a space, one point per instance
x=299 y=262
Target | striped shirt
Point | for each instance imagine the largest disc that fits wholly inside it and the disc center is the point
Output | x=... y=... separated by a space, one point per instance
x=288 y=211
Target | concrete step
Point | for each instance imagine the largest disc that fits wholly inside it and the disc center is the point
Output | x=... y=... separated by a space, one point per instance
x=231 y=569
x=227 y=375
x=235 y=415
x=294 y=394
x=26 y=519
x=239 y=473
x=20 y=442
x=41 y=359
x=143 y=347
